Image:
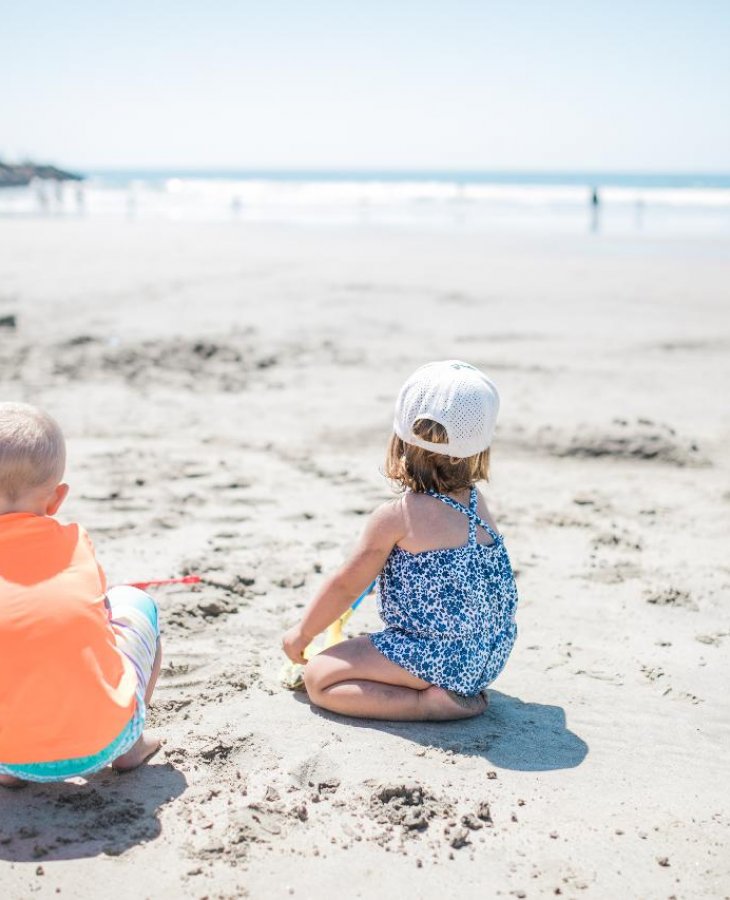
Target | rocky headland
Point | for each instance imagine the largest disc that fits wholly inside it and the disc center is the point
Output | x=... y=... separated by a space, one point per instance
x=12 y=175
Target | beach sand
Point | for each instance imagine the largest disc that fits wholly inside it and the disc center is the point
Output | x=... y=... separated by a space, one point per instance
x=227 y=394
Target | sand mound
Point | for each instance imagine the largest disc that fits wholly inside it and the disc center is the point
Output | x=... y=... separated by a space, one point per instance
x=188 y=364
x=640 y=439
x=407 y=805
x=193 y=364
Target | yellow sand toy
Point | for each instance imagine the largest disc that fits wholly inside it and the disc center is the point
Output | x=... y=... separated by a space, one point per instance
x=292 y=674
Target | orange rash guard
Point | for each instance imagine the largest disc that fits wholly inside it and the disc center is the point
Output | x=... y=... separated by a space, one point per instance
x=66 y=691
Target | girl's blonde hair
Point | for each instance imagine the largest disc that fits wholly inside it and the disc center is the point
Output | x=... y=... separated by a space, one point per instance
x=420 y=470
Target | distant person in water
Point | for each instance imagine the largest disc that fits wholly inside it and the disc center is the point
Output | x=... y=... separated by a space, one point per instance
x=595 y=209
x=78 y=662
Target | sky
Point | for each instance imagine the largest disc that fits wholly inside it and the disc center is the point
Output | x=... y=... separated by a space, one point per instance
x=623 y=85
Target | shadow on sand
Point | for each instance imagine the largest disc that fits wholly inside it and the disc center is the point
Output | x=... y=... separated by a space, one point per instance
x=108 y=814
x=512 y=734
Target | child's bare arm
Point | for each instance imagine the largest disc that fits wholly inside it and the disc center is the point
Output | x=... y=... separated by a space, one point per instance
x=383 y=530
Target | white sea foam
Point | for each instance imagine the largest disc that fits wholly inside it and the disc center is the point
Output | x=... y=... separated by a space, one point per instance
x=435 y=202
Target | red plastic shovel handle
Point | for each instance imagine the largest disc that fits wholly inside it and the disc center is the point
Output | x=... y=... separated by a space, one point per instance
x=188 y=579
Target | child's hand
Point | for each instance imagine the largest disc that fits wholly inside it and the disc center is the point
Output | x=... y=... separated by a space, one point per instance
x=294 y=644
x=383 y=530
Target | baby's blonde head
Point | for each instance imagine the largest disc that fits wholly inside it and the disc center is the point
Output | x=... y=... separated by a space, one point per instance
x=417 y=469
x=32 y=451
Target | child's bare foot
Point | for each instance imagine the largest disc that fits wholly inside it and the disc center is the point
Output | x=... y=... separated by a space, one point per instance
x=144 y=749
x=440 y=704
x=10 y=781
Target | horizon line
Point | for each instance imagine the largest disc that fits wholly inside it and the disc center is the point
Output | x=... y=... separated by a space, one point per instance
x=393 y=170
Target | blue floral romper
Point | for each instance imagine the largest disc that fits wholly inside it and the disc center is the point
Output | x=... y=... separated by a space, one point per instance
x=450 y=613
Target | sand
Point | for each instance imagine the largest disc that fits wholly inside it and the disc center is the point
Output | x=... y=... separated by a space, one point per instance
x=226 y=391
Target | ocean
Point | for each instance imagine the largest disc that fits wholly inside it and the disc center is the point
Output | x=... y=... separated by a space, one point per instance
x=671 y=204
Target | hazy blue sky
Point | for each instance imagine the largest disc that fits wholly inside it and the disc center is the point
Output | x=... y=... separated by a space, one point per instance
x=539 y=84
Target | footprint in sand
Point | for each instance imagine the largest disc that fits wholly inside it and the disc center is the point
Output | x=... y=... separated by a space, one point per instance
x=185 y=670
x=319 y=771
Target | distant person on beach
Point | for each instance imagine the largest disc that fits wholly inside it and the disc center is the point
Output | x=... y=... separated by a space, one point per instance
x=595 y=209
x=78 y=662
x=447 y=594
x=41 y=196
x=132 y=202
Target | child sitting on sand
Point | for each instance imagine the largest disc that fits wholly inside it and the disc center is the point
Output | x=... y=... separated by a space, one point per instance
x=446 y=590
x=77 y=666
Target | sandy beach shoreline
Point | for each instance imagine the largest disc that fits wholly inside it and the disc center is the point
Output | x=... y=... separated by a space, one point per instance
x=227 y=393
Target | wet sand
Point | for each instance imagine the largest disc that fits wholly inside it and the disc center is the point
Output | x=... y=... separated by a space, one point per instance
x=226 y=391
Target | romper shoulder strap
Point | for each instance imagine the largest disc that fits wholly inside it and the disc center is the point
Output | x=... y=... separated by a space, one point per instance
x=471 y=513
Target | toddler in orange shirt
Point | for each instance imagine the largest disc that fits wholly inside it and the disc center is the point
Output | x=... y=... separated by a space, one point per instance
x=78 y=663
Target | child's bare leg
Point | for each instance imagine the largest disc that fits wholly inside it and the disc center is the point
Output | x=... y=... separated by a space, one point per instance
x=355 y=679
x=146 y=746
x=156 y=666
x=10 y=781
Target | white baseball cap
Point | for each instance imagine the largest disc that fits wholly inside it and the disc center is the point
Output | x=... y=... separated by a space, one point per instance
x=457 y=396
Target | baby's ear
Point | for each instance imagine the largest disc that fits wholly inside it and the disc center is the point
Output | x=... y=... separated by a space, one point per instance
x=60 y=492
